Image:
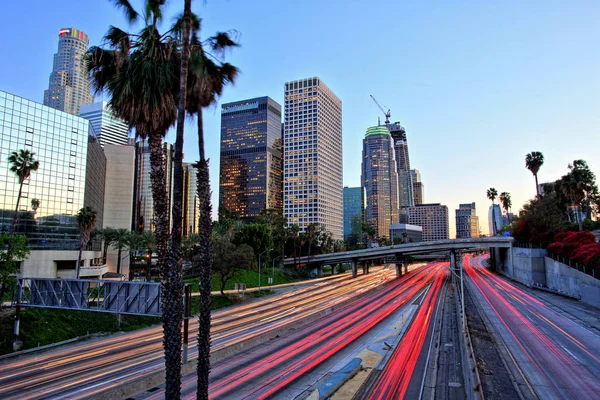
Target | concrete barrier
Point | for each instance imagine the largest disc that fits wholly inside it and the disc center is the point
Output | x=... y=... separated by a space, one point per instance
x=528 y=266
x=564 y=279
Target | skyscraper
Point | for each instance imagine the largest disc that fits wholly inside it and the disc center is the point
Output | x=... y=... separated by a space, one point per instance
x=191 y=201
x=380 y=179
x=143 y=207
x=418 y=187
x=71 y=175
x=433 y=218
x=108 y=128
x=251 y=157
x=467 y=222
x=313 y=188
x=69 y=86
x=405 y=186
x=354 y=212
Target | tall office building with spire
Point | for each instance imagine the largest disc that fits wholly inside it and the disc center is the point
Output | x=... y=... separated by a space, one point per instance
x=405 y=186
x=69 y=86
x=380 y=180
x=313 y=181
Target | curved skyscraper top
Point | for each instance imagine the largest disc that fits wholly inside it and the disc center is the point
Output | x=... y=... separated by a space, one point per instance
x=69 y=86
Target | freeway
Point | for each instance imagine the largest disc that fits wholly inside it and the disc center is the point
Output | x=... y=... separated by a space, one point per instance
x=93 y=367
x=293 y=365
x=557 y=357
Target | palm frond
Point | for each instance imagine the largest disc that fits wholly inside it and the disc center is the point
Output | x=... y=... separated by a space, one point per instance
x=177 y=28
x=223 y=41
x=128 y=10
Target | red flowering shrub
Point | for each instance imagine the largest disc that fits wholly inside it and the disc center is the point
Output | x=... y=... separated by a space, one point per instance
x=577 y=246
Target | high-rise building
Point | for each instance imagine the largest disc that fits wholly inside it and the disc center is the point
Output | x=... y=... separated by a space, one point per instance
x=433 y=218
x=495 y=215
x=418 y=187
x=69 y=86
x=354 y=212
x=405 y=186
x=143 y=206
x=467 y=222
x=380 y=179
x=405 y=233
x=71 y=175
x=191 y=201
x=251 y=157
x=313 y=188
x=108 y=128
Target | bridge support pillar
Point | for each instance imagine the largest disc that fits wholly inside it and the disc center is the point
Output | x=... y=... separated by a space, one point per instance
x=354 y=267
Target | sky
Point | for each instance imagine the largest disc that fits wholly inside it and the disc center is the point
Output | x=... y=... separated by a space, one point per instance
x=477 y=85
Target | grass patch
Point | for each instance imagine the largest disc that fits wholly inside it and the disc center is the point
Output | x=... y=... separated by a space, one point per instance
x=249 y=277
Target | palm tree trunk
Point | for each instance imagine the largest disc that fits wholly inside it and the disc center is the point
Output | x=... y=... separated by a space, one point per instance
x=205 y=264
x=16 y=214
x=537 y=188
x=79 y=260
x=172 y=306
x=119 y=261
x=178 y=157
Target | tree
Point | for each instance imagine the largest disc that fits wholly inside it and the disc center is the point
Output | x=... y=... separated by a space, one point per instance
x=10 y=261
x=140 y=72
x=506 y=203
x=369 y=233
x=492 y=194
x=580 y=187
x=106 y=236
x=35 y=204
x=229 y=258
x=293 y=233
x=119 y=242
x=533 y=162
x=258 y=236
x=22 y=164
x=86 y=220
x=207 y=78
x=182 y=33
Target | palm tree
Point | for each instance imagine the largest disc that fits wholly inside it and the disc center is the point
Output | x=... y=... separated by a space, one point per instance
x=23 y=164
x=206 y=79
x=293 y=232
x=35 y=204
x=182 y=33
x=149 y=241
x=533 y=162
x=134 y=243
x=140 y=72
x=120 y=241
x=106 y=235
x=506 y=203
x=492 y=194
x=86 y=219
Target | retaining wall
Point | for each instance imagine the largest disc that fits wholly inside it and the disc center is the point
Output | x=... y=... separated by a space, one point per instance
x=562 y=278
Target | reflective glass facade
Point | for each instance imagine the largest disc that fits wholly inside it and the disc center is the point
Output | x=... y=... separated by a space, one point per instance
x=354 y=211
x=467 y=222
x=251 y=157
x=380 y=180
x=71 y=173
x=405 y=185
x=191 y=201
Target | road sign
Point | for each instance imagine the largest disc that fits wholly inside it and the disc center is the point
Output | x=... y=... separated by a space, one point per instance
x=270 y=281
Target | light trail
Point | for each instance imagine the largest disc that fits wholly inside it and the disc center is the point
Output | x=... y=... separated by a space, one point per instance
x=562 y=354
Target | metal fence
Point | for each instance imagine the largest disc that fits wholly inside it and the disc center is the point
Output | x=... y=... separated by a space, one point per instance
x=136 y=298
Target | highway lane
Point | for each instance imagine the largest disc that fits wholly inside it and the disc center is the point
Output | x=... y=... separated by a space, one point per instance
x=95 y=366
x=270 y=370
x=559 y=358
x=406 y=366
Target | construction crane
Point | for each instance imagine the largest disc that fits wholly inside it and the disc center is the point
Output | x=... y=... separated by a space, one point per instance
x=387 y=114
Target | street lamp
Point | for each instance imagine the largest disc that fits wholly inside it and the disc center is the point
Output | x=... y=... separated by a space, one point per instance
x=273 y=272
x=266 y=251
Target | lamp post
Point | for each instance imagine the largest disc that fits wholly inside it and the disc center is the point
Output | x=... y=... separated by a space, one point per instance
x=273 y=271
x=266 y=251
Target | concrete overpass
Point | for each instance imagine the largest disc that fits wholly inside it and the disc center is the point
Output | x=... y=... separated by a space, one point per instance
x=499 y=247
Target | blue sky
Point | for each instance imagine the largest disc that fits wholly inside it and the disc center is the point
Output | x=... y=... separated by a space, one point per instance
x=476 y=84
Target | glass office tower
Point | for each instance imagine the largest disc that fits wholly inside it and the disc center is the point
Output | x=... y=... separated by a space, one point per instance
x=354 y=212
x=251 y=157
x=70 y=176
x=380 y=180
